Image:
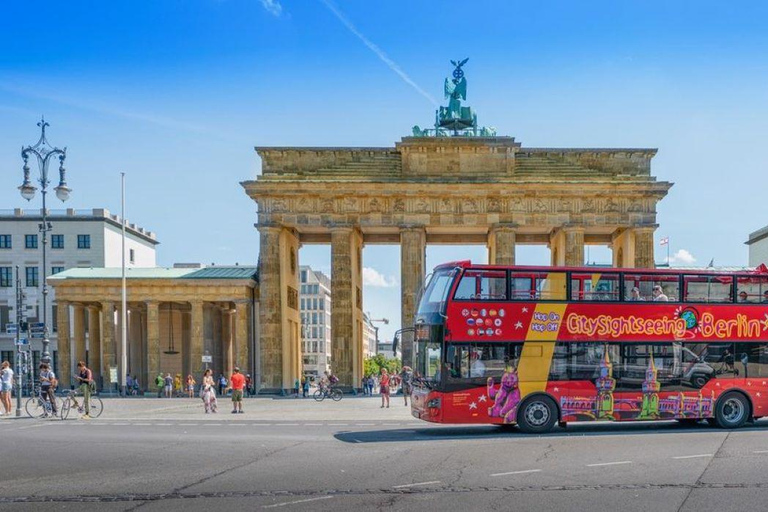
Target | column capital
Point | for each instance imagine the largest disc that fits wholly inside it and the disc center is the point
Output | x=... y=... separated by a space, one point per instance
x=93 y=307
x=62 y=303
x=506 y=227
x=269 y=227
x=645 y=228
x=412 y=228
x=341 y=228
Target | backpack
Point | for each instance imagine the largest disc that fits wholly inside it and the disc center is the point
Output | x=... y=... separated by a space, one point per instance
x=159 y=381
x=333 y=379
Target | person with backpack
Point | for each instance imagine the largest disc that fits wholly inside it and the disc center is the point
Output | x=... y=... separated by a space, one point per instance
x=48 y=385
x=159 y=383
x=305 y=386
x=168 y=381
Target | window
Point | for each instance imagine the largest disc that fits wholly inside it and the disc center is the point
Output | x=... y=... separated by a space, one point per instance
x=752 y=289
x=582 y=361
x=32 y=276
x=314 y=303
x=708 y=288
x=321 y=304
x=303 y=305
x=6 y=277
x=640 y=287
x=537 y=286
x=5 y=318
x=753 y=359
x=303 y=277
x=57 y=241
x=56 y=270
x=595 y=287
x=474 y=363
x=482 y=285
x=314 y=318
x=83 y=241
x=436 y=292
x=55 y=319
x=131 y=256
x=5 y=241
x=30 y=241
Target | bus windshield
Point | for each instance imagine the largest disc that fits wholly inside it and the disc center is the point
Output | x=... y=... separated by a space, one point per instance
x=436 y=292
x=428 y=354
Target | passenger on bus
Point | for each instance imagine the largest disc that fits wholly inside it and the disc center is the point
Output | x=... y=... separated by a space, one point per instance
x=634 y=294
x=477 y=367
x=743 y=297
x=658 y=294
x=765 y=296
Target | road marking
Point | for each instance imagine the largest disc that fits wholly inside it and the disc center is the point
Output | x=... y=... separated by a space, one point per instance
x=295 y=502
x=694 y=456
x=286 y=425
x=212 y=424
x=357 y=441
x=162 y=424
x=609 y=463
x=415 y=485
x=142 y=424
x=313 y=424
x=760 y=451
x=338 y=424
x=187 y=424
x=517 y=472
x=365 y=424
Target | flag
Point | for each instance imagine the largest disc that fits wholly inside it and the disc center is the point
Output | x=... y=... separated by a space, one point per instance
x=711 y=263
x=664 y=241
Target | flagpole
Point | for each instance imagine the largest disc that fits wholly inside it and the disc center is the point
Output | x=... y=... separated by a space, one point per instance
x=124 y=306
x=667 y=252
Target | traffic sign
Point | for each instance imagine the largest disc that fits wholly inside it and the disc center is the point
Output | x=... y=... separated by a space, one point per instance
x=11 y=328
x=207 y=359
x=36 y=327
x=22 y=342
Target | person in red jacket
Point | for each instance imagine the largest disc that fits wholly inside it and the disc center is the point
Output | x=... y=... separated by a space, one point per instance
x=237 y=384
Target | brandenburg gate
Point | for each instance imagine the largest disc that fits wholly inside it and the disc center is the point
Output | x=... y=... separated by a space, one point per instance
x=433 y=188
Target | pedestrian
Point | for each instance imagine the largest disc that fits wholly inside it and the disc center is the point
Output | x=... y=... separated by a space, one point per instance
x=305 y=386
x=168 y=382
x=128 y=383
x=6 y=384
x=47 y=387
x=207 y=392
x=296 y=386
x=177 y=385
x=384 y=382
x=191 y=386
x=236 y=384
x=85 y=380
x=248 y=383
x=159 y=383
x=136 y=386
x=364 y=384
x=222 y=384
x=406 y=377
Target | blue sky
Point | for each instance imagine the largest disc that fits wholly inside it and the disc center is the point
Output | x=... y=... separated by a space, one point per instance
x=177 y=93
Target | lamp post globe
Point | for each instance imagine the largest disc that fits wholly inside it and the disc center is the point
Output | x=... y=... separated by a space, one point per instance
x=62 y=192
x=28 y=191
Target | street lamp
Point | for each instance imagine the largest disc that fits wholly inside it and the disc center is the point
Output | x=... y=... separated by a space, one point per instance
x=44 y=153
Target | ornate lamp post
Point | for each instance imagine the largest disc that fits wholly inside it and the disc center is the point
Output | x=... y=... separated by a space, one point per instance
x=44 y=153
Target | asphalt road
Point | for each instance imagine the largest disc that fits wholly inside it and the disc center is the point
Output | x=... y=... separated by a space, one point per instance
x=249 y=463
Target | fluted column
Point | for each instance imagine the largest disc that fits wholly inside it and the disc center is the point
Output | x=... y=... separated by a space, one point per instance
x=65 y=351
x=78 y=328
x=108 y=348
x=346 y=305
x=227 y=362
x=413 y=262
x=501 y=245
x=152 y=354
x=94 y=344
x=644 y=256
x=242 y=340
x=196 y=341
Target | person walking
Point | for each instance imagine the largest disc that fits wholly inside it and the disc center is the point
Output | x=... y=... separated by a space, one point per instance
x=296 y=386
x=47 y=386
x=384 y=383
x=222 y=384
x=406 y=380
x=305 y=386
x=191 y=386
x=6 y=385
x=248 y=384
x=85 y=380
x=364 y=384
x=168 y=382
x=207 y=392
x=236 y=384
x=159 y=383
x=177 y=386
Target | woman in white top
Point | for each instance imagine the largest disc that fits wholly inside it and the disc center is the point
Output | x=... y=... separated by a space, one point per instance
x=207 y=392
x=6 y=384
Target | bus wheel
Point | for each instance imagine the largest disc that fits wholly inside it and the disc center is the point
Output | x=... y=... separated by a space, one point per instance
x=732 y=411
x=537 y=414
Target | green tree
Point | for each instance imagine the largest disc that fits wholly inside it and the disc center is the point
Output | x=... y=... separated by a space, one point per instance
x=374 y=364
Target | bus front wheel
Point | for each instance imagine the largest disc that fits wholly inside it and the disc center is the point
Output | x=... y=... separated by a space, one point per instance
x=537 y=414
x=732 y=410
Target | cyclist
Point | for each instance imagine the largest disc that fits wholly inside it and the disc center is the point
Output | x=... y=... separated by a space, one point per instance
x=85 y=379
x=47 y=387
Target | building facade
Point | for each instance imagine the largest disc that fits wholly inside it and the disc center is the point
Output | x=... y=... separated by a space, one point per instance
x=370 y=337
x=78 y=239
x=315 y=304
x=758 y=247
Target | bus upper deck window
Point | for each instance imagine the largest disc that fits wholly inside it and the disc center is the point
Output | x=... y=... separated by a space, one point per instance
x=482 y=285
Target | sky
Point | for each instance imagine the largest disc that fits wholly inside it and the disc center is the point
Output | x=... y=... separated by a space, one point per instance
x=177 y=93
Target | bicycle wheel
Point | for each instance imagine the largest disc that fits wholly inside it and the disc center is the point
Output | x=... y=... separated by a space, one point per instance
x=319 y=396
x=66 y=405
x=336 y=395
x=97 y=407
x=35 y=407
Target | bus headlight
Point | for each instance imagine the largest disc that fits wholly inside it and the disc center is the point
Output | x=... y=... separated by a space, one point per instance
x=433 y=404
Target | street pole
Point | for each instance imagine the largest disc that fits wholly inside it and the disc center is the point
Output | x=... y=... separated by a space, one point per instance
x=123 y=314
x=19 y=304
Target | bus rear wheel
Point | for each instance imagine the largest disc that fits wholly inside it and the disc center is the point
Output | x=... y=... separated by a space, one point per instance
x=732 y=411
x=537 y=414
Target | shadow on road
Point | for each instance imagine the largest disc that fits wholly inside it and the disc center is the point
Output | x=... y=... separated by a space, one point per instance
x=474 y=432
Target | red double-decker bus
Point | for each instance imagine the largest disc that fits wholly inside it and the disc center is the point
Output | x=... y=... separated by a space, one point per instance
x=536 y=346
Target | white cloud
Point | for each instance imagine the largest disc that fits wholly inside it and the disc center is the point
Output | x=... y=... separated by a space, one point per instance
x=372 y=277
x=683 y=257
x=273 y=7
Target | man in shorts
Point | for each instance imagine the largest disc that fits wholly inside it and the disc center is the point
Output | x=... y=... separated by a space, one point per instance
x=237 y=384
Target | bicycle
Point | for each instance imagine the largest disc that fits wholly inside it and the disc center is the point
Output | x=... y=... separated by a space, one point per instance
x=96 y=405
x=37 y=407
x=334 y=394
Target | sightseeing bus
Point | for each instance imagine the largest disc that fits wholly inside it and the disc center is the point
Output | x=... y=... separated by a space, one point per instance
x=539 y=346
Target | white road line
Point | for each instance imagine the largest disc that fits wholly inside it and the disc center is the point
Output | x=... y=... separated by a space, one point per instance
x=295 y=502
x=338 y=424
x=286 y=424
x=187 y=424
x=517 y=472
x=142 y=424
x=162 y=424
x=211 y=424
x=609 y=463
x=365 y=424
x=313 y=424
x=694 y=456
x=760 y=451
x=415 y=485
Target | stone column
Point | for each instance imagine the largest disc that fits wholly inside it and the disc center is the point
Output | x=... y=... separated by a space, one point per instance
x=227 y=362
x=196 y=341
x=346 y=305
x=108 y=348
x=644 y=256
x=152 y=354
x=623 y=248
x=136 y=343
x=501 y=245
x=78 y=328
x=413 y=263
x=65 y=351
x=94 y=344
x=242 y=340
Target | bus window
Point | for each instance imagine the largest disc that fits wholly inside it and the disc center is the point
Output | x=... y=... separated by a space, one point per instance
x=651 y=287
x=482 y=285
x=537 y=286
x=752 y=289
x=475 y=362
x=595 y=287
x=582 y=361
x=708 y=288
x=436 y=291
x=752 y=359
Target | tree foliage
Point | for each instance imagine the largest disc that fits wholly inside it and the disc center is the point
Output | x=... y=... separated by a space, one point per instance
x=374 y=364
